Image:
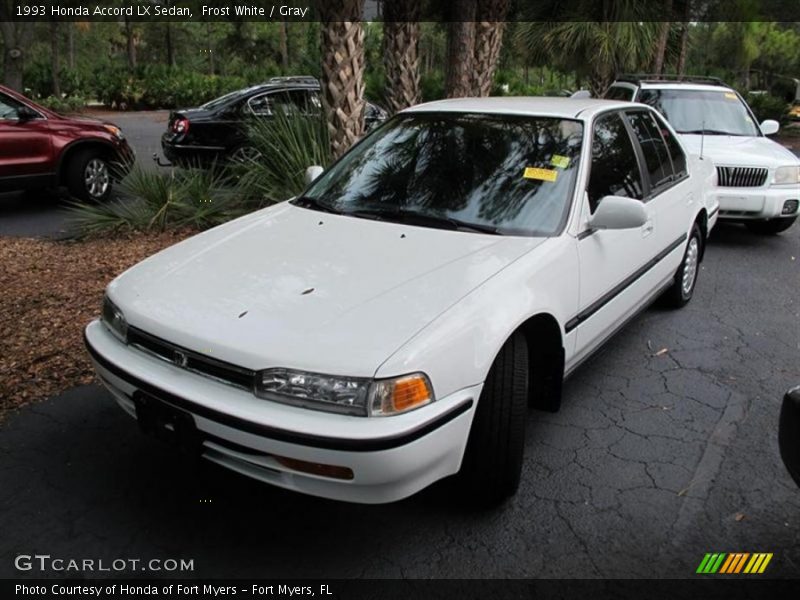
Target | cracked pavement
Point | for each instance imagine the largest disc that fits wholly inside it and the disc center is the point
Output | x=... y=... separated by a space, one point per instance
x=655 y=458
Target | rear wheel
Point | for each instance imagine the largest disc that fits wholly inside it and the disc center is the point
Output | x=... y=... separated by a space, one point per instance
x=682 y=288
x=770 y=226
x=89 y=176
x=492 y=463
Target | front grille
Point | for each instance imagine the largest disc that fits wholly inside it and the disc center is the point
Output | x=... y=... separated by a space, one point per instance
x=190 y=360
x=741 y=176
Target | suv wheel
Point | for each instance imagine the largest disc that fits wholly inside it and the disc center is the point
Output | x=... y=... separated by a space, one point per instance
x=492 y=463
x=682 y=288
x=89 y=176
x=770 y=226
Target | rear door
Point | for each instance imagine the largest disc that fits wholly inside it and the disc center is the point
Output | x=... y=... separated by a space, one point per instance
x=25 y=146
x=671 y=196
x=613 y=277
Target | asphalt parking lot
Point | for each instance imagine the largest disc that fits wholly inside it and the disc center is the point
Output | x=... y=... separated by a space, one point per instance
x=665 y=449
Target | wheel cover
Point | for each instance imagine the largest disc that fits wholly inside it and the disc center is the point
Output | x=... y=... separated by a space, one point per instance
x=96 y=177
x=690 y=266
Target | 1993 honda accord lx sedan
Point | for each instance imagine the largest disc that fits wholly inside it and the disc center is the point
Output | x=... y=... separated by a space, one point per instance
x=389 y=327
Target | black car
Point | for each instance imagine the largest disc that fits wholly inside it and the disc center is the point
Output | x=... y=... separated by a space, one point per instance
x=216 y=130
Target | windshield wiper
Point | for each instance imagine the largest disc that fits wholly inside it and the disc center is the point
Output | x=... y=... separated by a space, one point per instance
x=411 y=217
x=315 y=204
x=710 y=132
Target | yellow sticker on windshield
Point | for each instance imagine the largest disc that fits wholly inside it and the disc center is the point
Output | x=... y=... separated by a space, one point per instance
x=541 y=174
x=730 y=96
x=560 y=161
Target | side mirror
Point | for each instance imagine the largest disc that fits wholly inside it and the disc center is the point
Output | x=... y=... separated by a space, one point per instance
x=789 y=433
x=26 y=113
x=618 y=212
x=581 y=95
x=312 y=173
x=770 y=127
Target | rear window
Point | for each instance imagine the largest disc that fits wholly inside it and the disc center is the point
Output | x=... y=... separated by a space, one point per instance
x=617 y=92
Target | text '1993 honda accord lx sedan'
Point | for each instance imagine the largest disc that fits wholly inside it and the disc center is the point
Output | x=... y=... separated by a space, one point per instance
x=389 y=327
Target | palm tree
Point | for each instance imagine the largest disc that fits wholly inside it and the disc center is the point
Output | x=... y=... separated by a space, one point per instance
x=460 y=49
x=598 y=50
x=342 y=46
x=401 y=53
x=16 y=39
x=663 y=36
x=489 y=28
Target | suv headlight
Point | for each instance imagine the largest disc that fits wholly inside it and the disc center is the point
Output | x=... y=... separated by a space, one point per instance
x=787 y=175
x=347 y=395
x=113 y=318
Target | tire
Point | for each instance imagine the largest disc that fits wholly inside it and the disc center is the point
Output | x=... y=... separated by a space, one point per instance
x=492 y=465
x=770 y=226
x=682 y=289
x=89 y=176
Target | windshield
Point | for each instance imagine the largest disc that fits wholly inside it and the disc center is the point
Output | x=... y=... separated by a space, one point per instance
x=503 y=174
x=714 y=112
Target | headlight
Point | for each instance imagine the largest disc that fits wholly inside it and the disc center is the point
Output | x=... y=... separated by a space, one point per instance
x=113 y=318
x=787 y=175
x=346 y=395
x=114 y=130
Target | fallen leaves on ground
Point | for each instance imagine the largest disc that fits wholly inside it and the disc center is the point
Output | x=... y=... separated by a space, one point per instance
x=49 y=291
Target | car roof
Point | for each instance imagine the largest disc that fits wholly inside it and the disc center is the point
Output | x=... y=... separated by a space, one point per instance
x=567 y=108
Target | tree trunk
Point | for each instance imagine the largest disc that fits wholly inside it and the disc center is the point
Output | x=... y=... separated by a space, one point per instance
x=55 y=63
x=170 y=45
x=661 y=44
x=284 y=46
x=342 y=48
x=687 y=13
x=401 y=53
x=71 y=46
x=684 y=49
x=489 y=30
x=460 y=49
x=130 y=43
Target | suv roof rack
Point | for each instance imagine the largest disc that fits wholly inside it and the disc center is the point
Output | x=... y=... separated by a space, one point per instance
x=294 y=79
x=656 y=78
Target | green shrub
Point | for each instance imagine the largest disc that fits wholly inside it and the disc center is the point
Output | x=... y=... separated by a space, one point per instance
x=69 y=104
x=767 y=107
x=158 y=86
x=287 y=145
x=160 y=200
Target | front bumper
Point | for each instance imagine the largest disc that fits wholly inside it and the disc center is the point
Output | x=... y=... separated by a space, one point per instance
x=390 y=457
x=741 y=204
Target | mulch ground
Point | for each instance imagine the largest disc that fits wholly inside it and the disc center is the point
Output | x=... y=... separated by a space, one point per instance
x=49 y=291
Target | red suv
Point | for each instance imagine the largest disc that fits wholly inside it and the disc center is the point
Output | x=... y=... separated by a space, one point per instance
x=40 y=148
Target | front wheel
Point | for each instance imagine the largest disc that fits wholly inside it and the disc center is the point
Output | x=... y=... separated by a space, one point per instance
x=89 y=176
x=770 y=226
x=492 y=465
x=682 y=288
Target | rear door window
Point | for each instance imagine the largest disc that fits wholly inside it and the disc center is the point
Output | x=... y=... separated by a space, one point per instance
x=656 y=155
x=676 y=153
x=615 y=168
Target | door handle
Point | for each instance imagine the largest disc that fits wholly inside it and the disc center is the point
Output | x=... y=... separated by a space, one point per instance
x=647 y=229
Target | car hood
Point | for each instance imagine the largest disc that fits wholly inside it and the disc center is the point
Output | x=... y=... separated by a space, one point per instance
x=297 y=288
x=741 y=151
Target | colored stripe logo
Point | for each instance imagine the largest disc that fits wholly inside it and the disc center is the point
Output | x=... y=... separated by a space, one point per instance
x=734 y=563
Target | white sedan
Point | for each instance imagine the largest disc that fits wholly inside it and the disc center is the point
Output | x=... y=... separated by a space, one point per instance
x=390 y=327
